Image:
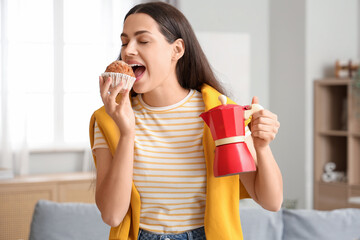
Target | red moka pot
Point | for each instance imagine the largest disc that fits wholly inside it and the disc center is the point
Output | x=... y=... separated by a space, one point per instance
x=227 y=126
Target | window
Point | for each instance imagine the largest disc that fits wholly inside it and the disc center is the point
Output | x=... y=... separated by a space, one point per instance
x=52 y=53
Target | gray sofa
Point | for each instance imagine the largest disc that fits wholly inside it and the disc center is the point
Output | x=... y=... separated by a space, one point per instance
x=55 y=221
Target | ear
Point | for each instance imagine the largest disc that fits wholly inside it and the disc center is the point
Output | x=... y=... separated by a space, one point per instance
x=178 y=49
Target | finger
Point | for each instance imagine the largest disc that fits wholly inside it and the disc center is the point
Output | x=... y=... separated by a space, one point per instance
x=104 y=87
x=125 y=97
x=101 y=83
x=258 y=114
x=114 y=92
x=123 y=93
x=266 y=136
x=255 y=100
x=264 y=120
x=264 y=128
x=104 y=81
x=270 y=123
x=264 y=113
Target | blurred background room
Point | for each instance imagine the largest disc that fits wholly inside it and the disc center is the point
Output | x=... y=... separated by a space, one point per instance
x=299 y=57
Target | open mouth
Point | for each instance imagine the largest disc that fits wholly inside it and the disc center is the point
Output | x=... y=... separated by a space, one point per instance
x=138 y=69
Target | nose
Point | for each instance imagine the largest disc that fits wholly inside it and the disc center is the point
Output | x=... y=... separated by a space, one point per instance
x=130 y=49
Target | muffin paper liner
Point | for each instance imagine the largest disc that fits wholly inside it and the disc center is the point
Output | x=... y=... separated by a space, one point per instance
x=118 y=77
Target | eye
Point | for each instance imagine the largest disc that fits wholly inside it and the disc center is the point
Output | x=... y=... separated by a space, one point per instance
x=143 y=40
x=124 y=45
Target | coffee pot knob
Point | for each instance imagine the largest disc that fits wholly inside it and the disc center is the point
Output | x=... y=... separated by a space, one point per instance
x=222 y=99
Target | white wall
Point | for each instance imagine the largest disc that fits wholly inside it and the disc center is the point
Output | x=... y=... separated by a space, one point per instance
x=287 y=92
x=230 y=63
x=237 y=16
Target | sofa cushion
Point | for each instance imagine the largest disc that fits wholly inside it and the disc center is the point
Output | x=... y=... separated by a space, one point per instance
x=314 y=224
x=55 y=221
x=258 y=223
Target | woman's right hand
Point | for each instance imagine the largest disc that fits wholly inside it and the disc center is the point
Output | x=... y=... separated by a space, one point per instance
x=120 y=111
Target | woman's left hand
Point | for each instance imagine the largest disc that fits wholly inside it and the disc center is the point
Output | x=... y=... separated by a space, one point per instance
x=264 y=126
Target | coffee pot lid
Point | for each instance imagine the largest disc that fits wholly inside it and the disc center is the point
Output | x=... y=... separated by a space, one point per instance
x=224 y=105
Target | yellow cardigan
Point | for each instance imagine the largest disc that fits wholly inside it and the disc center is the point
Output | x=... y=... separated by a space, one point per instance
x=222 y=219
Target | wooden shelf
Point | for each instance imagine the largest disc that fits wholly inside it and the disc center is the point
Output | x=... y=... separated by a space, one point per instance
x=334 y=184
x=334 y=81
x=336 y=140
x=354 y=200
x=19 y=195
x=56 y=177
x=334 y=133
x=354 y=196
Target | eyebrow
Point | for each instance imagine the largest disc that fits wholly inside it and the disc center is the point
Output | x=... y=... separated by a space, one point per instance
x=136 y=33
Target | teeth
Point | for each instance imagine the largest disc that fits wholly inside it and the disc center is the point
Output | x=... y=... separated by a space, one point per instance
x=135 y=65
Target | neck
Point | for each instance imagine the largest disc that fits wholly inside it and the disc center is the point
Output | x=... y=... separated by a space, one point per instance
x=165 y=95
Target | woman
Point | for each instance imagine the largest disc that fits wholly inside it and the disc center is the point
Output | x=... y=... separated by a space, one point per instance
x=152 y=151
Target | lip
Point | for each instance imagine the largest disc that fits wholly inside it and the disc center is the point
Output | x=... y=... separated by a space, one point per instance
x=131 y=62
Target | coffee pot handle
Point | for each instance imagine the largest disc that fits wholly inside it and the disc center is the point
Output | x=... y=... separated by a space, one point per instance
x=254 y=108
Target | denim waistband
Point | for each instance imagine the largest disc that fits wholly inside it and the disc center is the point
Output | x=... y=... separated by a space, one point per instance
x=195 y=234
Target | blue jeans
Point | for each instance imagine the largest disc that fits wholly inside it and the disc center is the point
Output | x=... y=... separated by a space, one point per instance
x=195 y=234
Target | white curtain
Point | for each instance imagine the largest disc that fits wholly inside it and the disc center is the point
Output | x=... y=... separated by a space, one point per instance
x=14 y=152
x=38 y=109
x=13 y=147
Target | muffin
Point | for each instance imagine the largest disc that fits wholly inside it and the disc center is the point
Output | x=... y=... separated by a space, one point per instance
x=120 y=71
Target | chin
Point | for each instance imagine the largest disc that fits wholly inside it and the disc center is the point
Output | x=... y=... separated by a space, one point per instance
x=137 y=89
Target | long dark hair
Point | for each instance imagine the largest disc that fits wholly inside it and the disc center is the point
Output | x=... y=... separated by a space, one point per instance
x=193 y=68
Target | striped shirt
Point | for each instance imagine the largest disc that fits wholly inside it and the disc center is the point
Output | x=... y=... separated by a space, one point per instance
x=169 y=164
